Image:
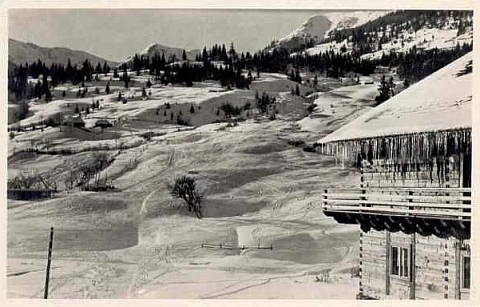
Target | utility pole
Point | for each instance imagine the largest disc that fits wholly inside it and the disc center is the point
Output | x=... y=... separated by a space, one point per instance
x=47 y=278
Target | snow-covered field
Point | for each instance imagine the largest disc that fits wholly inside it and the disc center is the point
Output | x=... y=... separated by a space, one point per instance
x=139 y=242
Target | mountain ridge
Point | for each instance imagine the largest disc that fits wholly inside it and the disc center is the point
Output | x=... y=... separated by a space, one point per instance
x=26 y=52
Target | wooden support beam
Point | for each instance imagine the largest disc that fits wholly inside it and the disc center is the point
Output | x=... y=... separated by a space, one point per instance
x=387 y=261
x=458 y=267
x=412 y=266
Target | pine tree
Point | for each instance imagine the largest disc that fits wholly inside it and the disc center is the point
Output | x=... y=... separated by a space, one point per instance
x=46 y=89
x=77 y=109
x=297 y=90
x=192 y=109
x=107 y=88
x=125 y=78
x=184 y=55
x=106 y=68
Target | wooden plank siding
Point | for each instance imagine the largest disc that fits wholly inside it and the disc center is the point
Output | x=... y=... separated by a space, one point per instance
x=435 y=267
x=437 y=261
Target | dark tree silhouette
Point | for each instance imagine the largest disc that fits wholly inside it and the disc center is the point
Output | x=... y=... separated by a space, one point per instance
x=185 y=188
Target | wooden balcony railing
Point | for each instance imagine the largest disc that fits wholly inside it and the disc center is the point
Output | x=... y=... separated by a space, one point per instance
x=426 y=203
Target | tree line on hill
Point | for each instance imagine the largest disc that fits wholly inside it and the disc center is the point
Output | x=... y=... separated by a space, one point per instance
x=57 y=73
x=232 y=69
x=391 y=26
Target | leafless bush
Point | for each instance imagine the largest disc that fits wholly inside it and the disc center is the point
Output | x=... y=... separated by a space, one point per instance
x=355 y=271
x=89 y=171
x=296 y=142
x=71 y=179
x=324 y=277
x=33 y=181
x=185 y=188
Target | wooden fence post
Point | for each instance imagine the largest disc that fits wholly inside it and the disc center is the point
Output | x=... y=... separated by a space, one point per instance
x=47 y=278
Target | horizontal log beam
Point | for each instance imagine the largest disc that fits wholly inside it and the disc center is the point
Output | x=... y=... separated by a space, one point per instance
x=406 y=189
x=436 y=198
x=408 y=205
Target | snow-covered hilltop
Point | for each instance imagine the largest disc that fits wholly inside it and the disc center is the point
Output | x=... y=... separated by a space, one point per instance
x=372 y=34
x=167 y=51
x=317 y=27
x=351 y=19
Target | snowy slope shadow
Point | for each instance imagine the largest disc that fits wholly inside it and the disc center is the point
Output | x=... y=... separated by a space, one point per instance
x=116 y=237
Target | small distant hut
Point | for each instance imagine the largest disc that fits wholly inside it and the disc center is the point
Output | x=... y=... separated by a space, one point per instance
x=413 y=203
x=74 y=122
x=103 y=123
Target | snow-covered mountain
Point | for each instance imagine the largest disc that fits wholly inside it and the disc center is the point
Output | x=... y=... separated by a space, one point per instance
x=21 y=52
x=317 y=27
x=169 y=52
x=374 y=34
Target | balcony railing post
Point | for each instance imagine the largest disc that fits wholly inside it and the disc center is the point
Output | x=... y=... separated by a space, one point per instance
x=410 y=200
x=325 y=198
x=362 y=198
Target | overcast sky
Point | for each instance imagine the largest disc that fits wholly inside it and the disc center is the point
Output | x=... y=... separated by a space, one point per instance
x=116 y=34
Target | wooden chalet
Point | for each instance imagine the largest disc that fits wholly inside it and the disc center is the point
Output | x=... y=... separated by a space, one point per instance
x=413 y=202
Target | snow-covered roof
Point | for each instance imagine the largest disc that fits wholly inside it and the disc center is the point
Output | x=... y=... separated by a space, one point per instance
x=422 y=121
x=441 y=101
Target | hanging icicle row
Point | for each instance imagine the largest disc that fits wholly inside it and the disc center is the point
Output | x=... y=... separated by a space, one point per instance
x=409 y=149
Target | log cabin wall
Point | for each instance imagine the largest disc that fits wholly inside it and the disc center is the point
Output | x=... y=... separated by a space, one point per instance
x=437 y=264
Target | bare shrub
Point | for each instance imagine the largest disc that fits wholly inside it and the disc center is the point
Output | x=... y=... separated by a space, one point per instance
x=33 y=181
x=295 y=142
x=89 y=171
x=185 y=188
x=71 y=179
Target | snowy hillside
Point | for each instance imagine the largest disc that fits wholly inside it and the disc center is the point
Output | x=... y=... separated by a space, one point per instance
x=425 y=38
x=399 y=31
x=317 y=27
x=351 y=19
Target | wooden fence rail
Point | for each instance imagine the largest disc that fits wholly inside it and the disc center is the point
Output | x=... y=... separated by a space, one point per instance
x=242 y=247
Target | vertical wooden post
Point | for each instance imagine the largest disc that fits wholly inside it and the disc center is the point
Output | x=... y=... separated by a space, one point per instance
x=49 y=261
x=413 y=270
x=325 y=198
x=387 y=262
x=360 y=269
x=458 y=268
x=446 y=272
x=362 y=187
